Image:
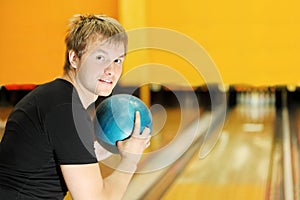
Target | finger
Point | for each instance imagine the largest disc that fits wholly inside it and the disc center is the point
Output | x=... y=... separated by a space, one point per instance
x=148 y=144
x=145 y=135
x=146 y=132
x=119 y=144
x=137 y=124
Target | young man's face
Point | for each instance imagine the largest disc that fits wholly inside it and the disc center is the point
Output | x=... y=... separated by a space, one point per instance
x=101 y=67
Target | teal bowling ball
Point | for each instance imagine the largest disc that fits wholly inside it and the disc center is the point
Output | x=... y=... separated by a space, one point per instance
x=114 y=119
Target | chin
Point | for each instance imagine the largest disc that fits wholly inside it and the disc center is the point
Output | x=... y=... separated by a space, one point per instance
x=105 y=93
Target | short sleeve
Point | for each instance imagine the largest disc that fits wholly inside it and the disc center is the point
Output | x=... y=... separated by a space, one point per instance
x=71 y=133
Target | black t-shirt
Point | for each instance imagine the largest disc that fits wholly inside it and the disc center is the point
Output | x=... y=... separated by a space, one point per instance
x=47 y=128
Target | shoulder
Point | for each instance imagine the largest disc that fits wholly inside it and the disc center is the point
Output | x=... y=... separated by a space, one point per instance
x=56 y=90
x=49 y=95
x=45 y=98
x=53 y=91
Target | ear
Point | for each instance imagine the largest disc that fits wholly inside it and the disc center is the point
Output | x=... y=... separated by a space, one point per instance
x=73 y=59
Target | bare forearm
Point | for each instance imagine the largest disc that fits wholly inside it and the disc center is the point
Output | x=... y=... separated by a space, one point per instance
x=116 y=184
x=131 y=151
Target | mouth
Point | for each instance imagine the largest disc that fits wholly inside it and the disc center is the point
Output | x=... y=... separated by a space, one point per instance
x=107 y=81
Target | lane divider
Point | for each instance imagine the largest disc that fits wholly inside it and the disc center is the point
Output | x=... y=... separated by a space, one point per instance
x=288 y=185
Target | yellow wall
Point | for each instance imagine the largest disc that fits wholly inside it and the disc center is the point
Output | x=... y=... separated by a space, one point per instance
x=252 y=42
x=32 y=36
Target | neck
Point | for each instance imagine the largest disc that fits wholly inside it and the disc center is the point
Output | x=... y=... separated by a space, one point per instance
x=86 y=97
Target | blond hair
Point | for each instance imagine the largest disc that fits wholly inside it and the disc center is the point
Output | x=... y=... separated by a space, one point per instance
x=85 y=29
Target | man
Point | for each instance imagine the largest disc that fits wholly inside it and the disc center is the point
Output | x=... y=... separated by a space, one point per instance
x=45 y=152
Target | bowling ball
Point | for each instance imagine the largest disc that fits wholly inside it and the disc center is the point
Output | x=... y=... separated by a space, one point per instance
x=114 y=119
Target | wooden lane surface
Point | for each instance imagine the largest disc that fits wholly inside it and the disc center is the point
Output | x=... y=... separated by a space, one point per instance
x=143 y=182
x=238 y=167
x=295 y=147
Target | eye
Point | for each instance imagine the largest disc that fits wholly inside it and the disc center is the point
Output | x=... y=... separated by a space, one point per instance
x=118 y=61
x=100 y=58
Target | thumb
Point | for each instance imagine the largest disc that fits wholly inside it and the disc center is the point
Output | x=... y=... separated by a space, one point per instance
x=119 y=143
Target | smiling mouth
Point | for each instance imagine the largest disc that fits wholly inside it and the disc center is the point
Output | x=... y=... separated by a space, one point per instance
x=105 y=81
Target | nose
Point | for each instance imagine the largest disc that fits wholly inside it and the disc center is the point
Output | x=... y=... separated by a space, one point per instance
x=109 y=70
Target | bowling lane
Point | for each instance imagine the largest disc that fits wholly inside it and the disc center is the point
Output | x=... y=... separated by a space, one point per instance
x=163 y=134
x=295 y=149
x=238 y=167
